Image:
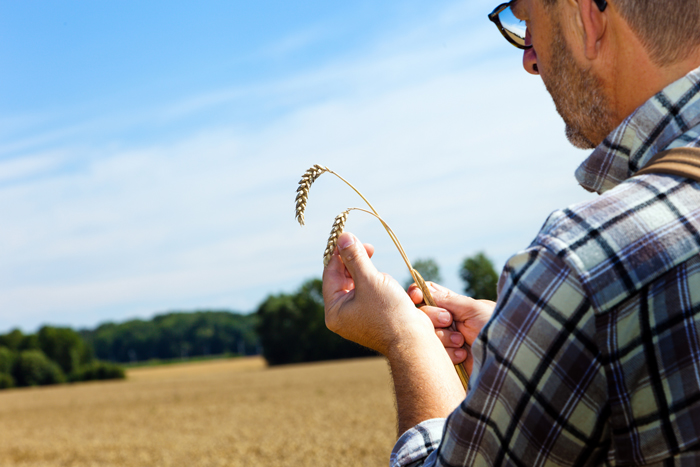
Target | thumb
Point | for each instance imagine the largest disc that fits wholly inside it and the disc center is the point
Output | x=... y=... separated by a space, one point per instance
x=355 y=258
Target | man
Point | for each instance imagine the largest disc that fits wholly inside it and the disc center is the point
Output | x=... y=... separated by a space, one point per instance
x=592 y=353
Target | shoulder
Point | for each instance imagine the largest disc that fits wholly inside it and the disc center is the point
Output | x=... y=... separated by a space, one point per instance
x=628 y=236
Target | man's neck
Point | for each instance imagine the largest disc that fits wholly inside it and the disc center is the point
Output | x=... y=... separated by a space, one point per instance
x=636 y=78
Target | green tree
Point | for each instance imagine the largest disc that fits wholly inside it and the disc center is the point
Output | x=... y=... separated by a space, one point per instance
x=65 y=347
x=6 y=381
x=479 y=276
x=7 y=364
x=12 y=340
x=34 y=369
x=29 y=342
x=428 y=269
x=292 y=329
x=48 y=357
x=7 y=360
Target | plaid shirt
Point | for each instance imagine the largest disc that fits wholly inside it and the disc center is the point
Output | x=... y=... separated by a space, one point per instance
x=592 y=355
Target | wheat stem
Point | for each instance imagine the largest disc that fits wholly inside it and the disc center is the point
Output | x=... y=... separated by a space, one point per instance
x=356 y=191
x=374 y=212
x=394 y=238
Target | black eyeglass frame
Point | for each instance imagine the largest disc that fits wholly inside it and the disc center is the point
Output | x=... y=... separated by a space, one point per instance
x=493 y=16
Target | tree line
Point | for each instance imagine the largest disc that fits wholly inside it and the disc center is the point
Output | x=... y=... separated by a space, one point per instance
x=175 y=335
x=285 y=328
x=52 y=355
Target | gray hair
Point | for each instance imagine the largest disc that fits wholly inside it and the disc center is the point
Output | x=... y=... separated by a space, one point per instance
x=670 y=30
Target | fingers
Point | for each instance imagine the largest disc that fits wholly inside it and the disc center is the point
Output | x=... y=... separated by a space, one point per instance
x=369 y=248
x=458 y=356
x=454 y=345
x=440 y=317
x=462 y=307
x=453 y=341
x=337 y=283
x=458 y=304
x=355 y=257
x=468 y=315
x=349 y=265
x=415 y=293
x=450 y=339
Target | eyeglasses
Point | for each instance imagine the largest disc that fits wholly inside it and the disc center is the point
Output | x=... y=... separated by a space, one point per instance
x=512 y=28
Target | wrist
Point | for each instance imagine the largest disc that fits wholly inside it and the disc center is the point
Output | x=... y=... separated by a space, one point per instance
x=425 y=382
x=414 y=338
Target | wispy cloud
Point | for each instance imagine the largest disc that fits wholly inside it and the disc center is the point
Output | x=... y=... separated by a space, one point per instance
x=293 y=43
x=459 y=153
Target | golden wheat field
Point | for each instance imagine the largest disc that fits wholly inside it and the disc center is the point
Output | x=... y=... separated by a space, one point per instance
x=218 y=413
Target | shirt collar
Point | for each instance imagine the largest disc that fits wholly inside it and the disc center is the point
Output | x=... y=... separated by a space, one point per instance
x=650 y=129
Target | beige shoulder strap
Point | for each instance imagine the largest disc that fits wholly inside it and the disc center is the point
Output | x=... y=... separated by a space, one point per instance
x=678 y=161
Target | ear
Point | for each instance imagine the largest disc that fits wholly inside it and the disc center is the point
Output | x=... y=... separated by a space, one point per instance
x=594 y=23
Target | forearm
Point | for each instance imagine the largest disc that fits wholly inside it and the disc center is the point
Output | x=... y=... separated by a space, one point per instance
x=425 y=382
x=372 y=309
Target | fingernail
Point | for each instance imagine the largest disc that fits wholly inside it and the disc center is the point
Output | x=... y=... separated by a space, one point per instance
x=431 y=288
x=456 y=338
x=460 y=353
x=345 y=241
x=444 y=317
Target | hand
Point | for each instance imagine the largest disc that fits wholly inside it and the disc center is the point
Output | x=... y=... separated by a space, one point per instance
x=366 y=306
x=469 y=316
x=372 y=309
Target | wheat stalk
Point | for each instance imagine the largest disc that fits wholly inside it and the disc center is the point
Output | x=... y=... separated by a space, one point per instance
x=309 y=177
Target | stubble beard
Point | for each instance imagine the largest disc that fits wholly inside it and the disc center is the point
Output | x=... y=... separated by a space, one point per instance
x=578 y=97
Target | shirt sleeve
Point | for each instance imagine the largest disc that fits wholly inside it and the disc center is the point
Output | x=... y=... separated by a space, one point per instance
x=538 y=393
x=414 y=446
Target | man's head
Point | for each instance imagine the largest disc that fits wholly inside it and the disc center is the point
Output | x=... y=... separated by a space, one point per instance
x=601 y=60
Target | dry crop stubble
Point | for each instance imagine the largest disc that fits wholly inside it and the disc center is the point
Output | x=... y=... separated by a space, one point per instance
x=219 y=413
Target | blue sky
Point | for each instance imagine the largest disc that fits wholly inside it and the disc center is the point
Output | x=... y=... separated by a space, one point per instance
x=149 y=151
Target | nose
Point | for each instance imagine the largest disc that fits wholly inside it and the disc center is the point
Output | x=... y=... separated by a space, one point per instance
x=530 y=56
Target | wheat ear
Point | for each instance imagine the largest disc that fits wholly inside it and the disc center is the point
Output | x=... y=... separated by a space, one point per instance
x=302 y=198
x=305 y=183
x=338 y=227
